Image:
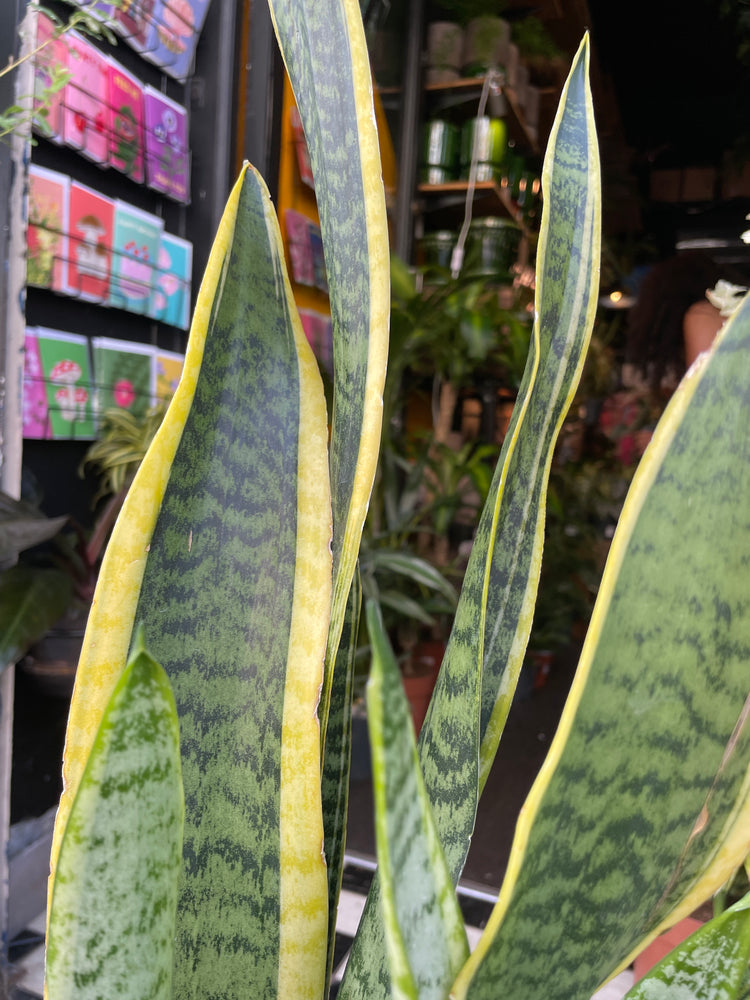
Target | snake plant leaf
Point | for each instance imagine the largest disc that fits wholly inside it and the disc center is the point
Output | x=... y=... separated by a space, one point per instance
x=495 y=609
x=337 y=761
x=235 y=603
x=232 y=584
x=642 y=808
x=110 y=623
x=334 y=97
x=712 y=964
x=31 y=601
x=112 y=912
x=424 y=928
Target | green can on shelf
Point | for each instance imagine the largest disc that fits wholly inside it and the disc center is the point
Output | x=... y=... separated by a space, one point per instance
x=492 y=248
x=487 y=139
x=439 y=156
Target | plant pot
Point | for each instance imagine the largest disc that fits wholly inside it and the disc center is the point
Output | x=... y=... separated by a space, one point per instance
x=663 y=944
x=445 y=44
x=485 y=45
x=52 y=662
x=419 y=682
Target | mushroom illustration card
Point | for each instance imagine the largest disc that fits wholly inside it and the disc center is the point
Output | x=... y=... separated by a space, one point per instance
x=91 y=218
x=167 y=373
x=125 y=122
x=66 y=370
x=178 y=24
x=35 y=410
x=50 y=63
x=135 y=253
x=166 y=141
x=47 y=242
x=124 y=374
x=170 y=296
x=86 y=117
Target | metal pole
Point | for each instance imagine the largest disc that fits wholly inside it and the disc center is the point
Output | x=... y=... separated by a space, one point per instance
x=409 y=129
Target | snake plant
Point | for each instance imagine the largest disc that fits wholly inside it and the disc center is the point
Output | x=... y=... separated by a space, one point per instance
x=198 y=844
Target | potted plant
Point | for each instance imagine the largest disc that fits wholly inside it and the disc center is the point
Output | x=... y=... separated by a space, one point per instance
x=545 y=59
x=207 y=746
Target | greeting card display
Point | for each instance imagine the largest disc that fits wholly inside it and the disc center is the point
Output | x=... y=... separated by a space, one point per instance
x=303 y=153
x=170 y=297
x=90 y=235
x=47 y=226
x=300 y=247
x=35 y=421
x=66 y=371
x=135 y=247
x=167 y=370
x=125 y=122
x=124 y=375
x=166 y=132
x=134 y=21
x=177 y=26
x=50 y=61
x=86 y=118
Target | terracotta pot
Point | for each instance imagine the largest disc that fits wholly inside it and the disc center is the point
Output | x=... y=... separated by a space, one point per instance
x=419 y=683
x=663 y=944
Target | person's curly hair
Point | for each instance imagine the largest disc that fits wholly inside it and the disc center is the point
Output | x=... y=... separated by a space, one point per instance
x=654 y=337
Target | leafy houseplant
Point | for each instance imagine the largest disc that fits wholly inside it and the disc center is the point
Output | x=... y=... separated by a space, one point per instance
x=50 y=591
x=205 y=770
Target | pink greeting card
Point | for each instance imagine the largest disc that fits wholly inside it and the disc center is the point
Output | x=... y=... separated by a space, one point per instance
x=50 y=61
x=47 y=242
x=125 y=122
x=299 y=246
x=35 y=416
x=134 y=21
x=90 y=234
x=86 y=118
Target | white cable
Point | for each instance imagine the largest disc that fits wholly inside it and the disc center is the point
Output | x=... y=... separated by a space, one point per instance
x=492 y=79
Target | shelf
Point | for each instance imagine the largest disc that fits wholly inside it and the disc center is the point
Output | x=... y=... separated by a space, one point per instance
x=456 y=92
x=489 y=197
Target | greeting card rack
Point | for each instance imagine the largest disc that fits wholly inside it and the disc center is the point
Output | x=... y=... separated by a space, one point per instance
x=114 y=209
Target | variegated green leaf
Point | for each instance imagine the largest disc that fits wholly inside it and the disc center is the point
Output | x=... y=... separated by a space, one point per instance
x=424 y=929
x=495 y=609
x=642 y=809
x=711 y=964
x=234 y=582
x=235 y=602
x=337 y=760
x=112 y=912
x=326 y=56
